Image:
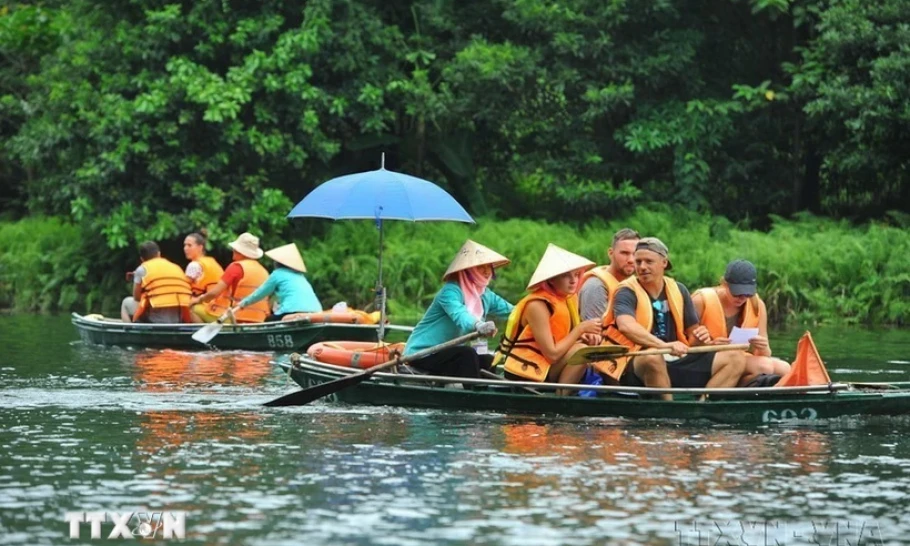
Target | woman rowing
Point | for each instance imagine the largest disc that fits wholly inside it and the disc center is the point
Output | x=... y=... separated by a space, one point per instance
x=288 y=283
x=463 y=305
x=733 y=303
x=544 y=330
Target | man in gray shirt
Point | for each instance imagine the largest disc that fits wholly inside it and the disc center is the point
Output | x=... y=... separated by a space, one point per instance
x=599 y=284
x=666 y=320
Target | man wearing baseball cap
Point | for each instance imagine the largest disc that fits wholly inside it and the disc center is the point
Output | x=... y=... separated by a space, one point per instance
x=651 y=310
x=735 y=302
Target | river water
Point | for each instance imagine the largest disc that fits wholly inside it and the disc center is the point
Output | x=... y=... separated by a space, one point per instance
x=92 y=429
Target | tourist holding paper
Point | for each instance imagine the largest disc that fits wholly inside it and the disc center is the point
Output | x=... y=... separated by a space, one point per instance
x=734 y=313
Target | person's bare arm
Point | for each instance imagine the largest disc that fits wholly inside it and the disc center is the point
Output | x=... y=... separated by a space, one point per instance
x=213 y=293
x=760 y=344
x=538 y=316
x=698 y=334
x=637 y=333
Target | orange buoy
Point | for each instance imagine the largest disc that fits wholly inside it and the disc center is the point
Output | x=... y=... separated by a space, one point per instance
x=354 y=354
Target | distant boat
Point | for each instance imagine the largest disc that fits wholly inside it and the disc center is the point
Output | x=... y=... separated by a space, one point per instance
x=295 y=335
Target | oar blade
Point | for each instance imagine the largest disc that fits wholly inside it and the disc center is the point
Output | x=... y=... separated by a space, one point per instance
x=207 y=332
x=586 y=355
x=305 y=396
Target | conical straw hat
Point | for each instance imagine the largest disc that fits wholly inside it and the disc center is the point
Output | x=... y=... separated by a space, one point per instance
x=555 y=262
x=288 y=255
x=473 y=254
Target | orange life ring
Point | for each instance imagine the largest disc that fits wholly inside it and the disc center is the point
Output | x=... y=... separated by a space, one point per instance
x=344 y=317
x=354 y=354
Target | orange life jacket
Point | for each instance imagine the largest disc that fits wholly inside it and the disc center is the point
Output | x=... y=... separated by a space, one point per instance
x=163 y=286
x=520 y=352
x=714 y=319
x=211 y=274
x=644 y=315
x=253 y=277
x=602 y=273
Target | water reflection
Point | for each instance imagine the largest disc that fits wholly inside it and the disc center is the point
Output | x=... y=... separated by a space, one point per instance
x=166 y=432
x=87 y=428
x=634 y=482
x=167 y=369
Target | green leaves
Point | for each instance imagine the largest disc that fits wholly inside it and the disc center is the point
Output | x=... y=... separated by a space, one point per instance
x=569 y=109
x=853 y=80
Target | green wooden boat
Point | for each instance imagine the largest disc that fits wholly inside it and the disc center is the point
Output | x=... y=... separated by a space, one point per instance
x=741 y=406
x=266 y=336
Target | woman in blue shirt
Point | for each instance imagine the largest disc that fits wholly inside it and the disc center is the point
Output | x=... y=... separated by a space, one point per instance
x=462 y=305
x=288 y=283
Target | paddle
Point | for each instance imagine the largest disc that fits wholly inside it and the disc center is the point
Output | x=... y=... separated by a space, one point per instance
x=305 y=396
x=212 y=329
x=607 y=352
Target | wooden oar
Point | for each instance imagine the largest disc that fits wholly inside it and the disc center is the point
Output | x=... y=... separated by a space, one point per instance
x=606 y=352
x=305 y=396
x=595 y=353
x=696 y=349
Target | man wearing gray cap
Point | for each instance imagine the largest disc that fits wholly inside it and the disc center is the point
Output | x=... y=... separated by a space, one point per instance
x=736 y=303
x=654 y=311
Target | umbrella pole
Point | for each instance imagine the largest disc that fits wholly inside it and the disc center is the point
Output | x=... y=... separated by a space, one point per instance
x=381 y=290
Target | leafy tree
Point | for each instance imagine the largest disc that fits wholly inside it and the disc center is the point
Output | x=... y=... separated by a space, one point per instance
x=853 y=79
x=27 y=32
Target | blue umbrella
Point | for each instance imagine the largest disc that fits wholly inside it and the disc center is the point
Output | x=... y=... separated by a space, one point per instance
x=380 y=195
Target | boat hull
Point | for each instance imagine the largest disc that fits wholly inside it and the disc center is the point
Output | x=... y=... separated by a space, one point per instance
x=501 y=398
x=266 y=336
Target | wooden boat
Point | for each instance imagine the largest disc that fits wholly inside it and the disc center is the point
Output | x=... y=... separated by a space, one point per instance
x=295 y=335
x=741 y=405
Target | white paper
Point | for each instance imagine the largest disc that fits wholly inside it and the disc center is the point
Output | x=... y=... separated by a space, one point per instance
x=742 y=335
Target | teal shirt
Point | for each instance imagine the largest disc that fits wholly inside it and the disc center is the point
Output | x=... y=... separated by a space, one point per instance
x=448 y=318
x=295 y=295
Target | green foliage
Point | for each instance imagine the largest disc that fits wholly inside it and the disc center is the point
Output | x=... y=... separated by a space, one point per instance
x=47 y=264
x=810 y=269
x=27 y=32
x=854 y=82
x=141 y=119
x=173 y=116
x=859 y=276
